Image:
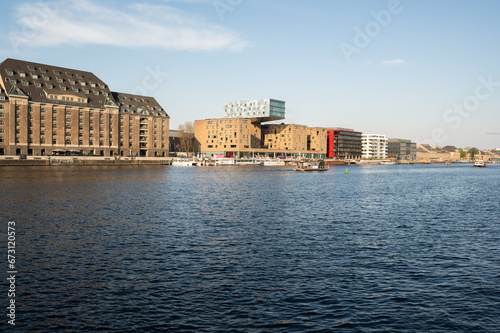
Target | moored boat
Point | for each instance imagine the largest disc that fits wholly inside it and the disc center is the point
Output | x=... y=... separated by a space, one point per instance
x=274 y=163
x=183 y=162
x=479 y=164
x=311 y=166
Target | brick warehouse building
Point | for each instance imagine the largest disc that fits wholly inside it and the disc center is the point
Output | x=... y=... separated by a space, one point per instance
x=46 y=110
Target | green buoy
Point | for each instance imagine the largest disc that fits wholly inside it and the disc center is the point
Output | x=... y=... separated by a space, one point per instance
x=346 y=172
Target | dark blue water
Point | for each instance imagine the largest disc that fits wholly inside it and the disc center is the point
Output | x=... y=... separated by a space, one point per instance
x=136 y=249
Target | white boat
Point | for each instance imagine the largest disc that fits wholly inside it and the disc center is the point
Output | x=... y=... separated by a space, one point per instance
x=479 y=164
x=183 y=162
x=225 y=161
x=274 y=163
x=387 y=162
x=248 y=162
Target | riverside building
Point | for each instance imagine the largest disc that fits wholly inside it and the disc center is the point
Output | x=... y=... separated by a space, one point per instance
x=344 y=143
x=374 y=146
x=48 y=110
x=242 y=134
x=401 y=149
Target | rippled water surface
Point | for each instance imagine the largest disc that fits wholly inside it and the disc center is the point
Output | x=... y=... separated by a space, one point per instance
x=381 y=249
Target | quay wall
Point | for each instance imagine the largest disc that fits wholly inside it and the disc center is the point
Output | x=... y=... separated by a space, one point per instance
x=81 y=160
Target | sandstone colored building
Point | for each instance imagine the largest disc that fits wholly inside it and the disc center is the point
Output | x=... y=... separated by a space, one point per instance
x=48 y=110
x=239 y=137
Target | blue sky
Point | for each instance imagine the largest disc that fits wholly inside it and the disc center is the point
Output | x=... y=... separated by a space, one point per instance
x=423 y=70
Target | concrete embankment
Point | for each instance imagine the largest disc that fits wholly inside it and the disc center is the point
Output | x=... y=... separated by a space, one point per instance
x=82 y=160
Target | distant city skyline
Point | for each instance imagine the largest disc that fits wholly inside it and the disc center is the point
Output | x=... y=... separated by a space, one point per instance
x=417 y=70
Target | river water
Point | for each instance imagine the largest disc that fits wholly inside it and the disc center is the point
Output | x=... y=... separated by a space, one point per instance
x=157 y=248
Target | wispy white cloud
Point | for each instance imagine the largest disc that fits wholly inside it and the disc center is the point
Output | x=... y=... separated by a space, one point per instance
x=394 y=62
x=87 y=22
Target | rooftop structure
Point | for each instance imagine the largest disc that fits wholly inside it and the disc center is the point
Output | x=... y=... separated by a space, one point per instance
x=262 y=110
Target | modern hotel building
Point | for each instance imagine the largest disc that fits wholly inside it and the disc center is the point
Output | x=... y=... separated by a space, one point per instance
x=241 y=133
x=47 y=109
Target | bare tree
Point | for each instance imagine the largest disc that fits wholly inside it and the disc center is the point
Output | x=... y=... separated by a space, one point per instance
x=186 y=137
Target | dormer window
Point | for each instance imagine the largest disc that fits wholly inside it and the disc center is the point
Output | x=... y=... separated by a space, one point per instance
x=60 y=80
x=38 y=84
x=102 y=86
x=35 y=76
x=72 y=81
x=92 y=85
x=57 y=73
x=9 y=72
x=22 y=74
x=50 y=86
x=43 y=70
x=69 y=74
x=83 y=83
x=46 y=78
x=31 y=68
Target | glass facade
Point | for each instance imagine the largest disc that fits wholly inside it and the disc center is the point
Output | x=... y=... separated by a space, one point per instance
x=344 y=144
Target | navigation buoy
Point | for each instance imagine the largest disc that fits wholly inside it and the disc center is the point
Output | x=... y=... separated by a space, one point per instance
x=346 y=172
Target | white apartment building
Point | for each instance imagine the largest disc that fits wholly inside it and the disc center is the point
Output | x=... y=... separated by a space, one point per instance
x=374 y=146
x=264 y=109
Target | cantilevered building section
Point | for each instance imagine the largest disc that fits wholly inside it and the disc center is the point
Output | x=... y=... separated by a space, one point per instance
x=47 y=109
x=261 y=110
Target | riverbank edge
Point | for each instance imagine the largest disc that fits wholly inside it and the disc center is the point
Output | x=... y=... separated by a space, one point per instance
x=82 y=161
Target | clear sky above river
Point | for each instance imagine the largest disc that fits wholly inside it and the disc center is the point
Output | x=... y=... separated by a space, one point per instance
x=422 y=70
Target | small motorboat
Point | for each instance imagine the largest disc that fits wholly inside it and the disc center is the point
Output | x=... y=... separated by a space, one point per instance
x=479 y=164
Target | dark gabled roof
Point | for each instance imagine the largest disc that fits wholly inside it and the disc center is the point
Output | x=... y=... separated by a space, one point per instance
x=136 y=104
x=38 y=80
x=450 y=149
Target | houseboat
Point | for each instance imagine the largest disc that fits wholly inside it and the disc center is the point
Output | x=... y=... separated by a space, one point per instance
x=311 y=166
